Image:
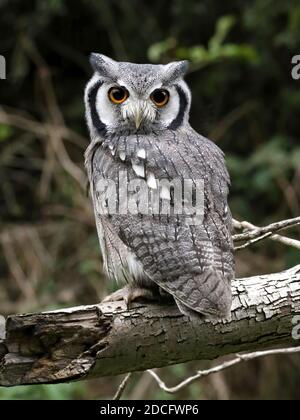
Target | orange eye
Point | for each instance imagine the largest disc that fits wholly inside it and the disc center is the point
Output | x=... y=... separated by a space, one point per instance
x=118 y=95
x=160 y=97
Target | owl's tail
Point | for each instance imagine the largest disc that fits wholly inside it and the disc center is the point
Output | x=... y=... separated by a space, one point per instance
x=212 y=297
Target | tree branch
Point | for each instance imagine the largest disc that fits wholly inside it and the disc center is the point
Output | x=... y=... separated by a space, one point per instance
x=266 y=230
x=122 y=387
x=256 y=234
x=108 y=339
x=219 y=368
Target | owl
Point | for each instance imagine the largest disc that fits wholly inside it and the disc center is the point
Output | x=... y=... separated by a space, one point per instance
x=141 y=146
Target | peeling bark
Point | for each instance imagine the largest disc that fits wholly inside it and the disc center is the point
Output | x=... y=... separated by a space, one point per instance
x=108 y=339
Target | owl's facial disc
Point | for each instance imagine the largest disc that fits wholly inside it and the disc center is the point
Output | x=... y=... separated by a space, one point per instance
x=136 y=97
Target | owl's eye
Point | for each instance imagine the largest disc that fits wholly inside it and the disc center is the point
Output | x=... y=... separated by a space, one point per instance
x=160 y=97
x=118 y=95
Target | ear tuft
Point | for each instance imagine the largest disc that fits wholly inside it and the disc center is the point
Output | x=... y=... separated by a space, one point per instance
x=175 y=70
x=103 y=65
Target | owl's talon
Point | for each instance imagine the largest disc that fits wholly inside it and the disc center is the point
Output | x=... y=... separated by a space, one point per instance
x=117 y=296
x=139 y=294
x=130 y=295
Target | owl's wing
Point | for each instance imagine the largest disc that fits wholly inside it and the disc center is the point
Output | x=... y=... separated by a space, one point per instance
x=193 y=262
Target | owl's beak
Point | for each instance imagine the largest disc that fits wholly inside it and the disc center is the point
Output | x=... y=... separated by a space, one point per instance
x=138 y=117
x=139 y=112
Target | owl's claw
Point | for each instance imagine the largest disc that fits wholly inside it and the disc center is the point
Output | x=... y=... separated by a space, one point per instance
x=120 y=294
x=130 y=294
x=139 y=294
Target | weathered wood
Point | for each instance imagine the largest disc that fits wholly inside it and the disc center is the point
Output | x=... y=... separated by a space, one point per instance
x=107 y=339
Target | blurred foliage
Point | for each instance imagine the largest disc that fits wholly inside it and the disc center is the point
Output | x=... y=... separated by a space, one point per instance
x=243 y=98
x=44 y=392
x=198 y=55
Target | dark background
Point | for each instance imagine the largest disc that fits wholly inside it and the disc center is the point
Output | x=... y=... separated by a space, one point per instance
x=244 y=98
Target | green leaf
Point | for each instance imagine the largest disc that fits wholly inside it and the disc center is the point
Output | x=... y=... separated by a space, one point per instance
x=156 y=51
x=241 y=51
x=223 y=26
x=5 y=132
x=198 y=54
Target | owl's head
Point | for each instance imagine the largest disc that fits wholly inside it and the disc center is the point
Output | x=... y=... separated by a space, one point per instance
x=125 y=97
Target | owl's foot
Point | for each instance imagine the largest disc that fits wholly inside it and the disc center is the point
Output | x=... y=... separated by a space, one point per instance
x=131 y=294
x=120 y=294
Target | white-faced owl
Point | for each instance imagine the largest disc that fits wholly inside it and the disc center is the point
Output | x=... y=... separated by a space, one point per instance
x=138 y=118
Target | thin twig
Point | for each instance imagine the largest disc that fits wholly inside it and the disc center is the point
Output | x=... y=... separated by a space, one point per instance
x=40 y=129
x=220 y=386
x=226 y=123
x=278 y=238
x=56 y=133
x=11 y=257
x=226 y=365
x=272 y=228
x=286 y=241
x=253 y=241
x=142 y=388
x=122 y=387
x=256 y=234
